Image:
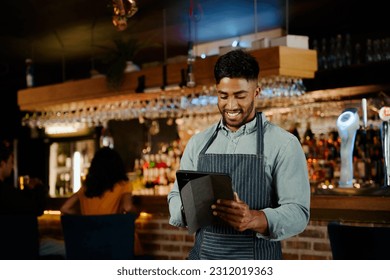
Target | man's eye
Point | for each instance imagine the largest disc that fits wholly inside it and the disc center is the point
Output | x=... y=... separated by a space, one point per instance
x=223 y=96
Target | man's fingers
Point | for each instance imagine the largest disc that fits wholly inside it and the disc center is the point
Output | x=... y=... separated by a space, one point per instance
x=236 y=198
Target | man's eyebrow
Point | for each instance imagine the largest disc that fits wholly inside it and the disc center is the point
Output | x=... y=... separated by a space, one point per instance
x=240 y=91
x=235 y=93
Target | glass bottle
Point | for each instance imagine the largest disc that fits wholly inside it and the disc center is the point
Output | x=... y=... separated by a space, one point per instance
x=348 y=50
x=29 y=73
x=369 y=54
x=106 y=139
x=339 y=53
x=323 y=55
x=332 y=62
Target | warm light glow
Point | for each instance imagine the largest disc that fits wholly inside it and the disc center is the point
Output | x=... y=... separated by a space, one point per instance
x=76 y=171
x=52 y=212
x=144 y=215
x=58 y=129
x=21 y=182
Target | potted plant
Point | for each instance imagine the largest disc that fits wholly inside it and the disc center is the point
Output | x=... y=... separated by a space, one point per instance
x=122 y=55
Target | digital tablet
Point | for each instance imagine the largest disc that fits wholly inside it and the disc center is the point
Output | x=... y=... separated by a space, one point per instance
x=198 y=191
x=184 y=176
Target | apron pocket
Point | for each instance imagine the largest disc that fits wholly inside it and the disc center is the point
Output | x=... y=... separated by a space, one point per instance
x=216 y=246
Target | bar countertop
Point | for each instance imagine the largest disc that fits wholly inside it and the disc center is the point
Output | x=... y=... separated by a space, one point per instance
x=353 y=208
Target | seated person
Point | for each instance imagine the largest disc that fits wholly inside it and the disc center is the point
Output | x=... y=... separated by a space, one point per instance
x=14 y=201
x=107 y=190
x=19 y=209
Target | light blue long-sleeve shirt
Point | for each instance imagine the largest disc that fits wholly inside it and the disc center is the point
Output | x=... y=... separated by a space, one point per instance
x=285 y=170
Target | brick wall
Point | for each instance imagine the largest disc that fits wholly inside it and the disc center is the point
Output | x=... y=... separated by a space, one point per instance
x=312 y=244
x=163 y=241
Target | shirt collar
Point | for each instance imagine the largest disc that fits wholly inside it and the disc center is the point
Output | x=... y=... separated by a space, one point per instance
x=247 y=128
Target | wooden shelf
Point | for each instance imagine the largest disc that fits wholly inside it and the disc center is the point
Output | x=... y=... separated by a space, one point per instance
x=273 y=62
x=351 y=208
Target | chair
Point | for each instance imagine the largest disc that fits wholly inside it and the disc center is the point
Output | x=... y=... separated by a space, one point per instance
x=359 y=243
x=19 y=237
x=99 y=237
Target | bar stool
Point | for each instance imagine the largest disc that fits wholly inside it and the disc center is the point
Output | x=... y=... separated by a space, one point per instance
x=359 y=243
x=99 y=237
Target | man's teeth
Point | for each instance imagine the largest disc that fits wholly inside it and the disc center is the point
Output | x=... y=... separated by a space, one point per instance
x=232 y=114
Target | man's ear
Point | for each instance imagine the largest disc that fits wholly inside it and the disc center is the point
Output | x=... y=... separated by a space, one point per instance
x=257 y=92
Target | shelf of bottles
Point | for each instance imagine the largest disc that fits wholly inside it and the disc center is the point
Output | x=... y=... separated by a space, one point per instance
x=155 y=173
x=68 y=164
x=313 y=124
x=322 y=152
x=343 y=50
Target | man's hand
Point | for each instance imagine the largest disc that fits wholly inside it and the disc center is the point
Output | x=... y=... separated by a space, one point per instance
x=238 y=215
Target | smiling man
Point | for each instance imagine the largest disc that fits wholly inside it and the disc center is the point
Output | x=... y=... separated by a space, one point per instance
x=267 y=166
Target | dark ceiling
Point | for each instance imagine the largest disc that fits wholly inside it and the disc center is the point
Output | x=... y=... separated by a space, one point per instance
x=75 y=34
x=67 y=38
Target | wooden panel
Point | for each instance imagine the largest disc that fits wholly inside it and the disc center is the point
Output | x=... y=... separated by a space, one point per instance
x=174 y=72
x=367 y=203
x=287 y=62
x=273 y=61
x=204 y=71
x=323 y=207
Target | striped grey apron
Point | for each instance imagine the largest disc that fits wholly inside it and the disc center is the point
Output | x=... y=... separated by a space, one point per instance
x=247 y=172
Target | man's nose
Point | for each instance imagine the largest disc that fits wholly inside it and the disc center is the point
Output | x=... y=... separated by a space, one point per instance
x=231 y=103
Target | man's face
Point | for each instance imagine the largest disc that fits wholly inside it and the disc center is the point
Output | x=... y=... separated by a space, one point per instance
x=236 y=101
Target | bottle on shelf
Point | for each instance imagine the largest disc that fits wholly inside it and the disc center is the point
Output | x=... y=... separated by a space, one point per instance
x=308 y=141
x=332 y=62
x=369 y=56
x=106 y=139
x=348 y=50
x=323 y=57
x=29 y=73
x=339 y=52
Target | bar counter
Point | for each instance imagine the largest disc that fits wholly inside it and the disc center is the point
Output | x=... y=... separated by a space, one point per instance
x=163 y=241
x=353 y=208
x=323 y=207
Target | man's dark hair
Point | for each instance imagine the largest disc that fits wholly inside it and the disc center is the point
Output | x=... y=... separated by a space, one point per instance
x=107 y=169
x=236 y=64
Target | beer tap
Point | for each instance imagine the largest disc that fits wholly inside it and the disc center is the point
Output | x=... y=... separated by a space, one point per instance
x=384 y=115
x=347 y=124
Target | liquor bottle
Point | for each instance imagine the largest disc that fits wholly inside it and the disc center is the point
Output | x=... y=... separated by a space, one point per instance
x=332 y=62
x=357 y=58
x=369 y=56
x=106 y=139
x=348 y=50
x=308 y=142
x=29 y=73
x=339 y=53
x=323 y=55
x=376 y=155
